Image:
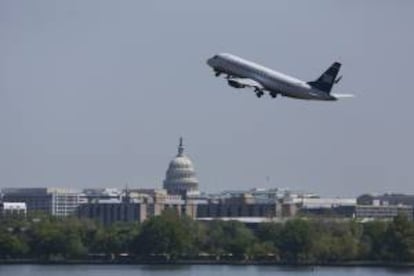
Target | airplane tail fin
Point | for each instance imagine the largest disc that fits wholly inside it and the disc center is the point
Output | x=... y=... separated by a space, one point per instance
x=327 y=79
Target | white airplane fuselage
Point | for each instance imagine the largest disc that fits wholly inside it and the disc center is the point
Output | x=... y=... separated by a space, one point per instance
x=274 y=82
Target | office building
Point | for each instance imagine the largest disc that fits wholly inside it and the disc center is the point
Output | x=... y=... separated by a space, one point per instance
x=53 y=201
x=13 y=209
x=108 y=212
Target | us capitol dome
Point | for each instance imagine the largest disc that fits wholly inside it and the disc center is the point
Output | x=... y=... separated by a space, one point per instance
x=181 y=177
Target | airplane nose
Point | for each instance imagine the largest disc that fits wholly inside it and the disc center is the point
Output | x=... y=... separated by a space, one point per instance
x=212 y=62
x=209 y=62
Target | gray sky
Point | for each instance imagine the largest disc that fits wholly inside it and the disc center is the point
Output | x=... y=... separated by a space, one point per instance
x=96 y=94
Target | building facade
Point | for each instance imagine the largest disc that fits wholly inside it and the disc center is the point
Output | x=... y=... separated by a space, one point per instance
x=13 y=209
x=59 y=202
x=390 y=199
x=244 y=205
x=383 y=211
x=108 y=212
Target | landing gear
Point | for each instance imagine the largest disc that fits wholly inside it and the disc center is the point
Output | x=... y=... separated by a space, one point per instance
x=217 y=73
x=259 y=94
x=273 y=94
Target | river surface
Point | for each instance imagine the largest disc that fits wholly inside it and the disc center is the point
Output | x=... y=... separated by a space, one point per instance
x=190 y=270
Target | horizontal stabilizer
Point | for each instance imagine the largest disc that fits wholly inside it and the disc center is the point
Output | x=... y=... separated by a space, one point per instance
x=338 y=96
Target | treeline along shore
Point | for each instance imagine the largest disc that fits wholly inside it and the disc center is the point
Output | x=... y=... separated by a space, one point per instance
x=169 y=238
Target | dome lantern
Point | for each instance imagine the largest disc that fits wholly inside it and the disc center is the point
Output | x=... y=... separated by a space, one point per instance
x=180 y=147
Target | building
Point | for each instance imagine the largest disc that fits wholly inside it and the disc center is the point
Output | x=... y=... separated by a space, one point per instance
x=36 y=199
x=158 y=200
x=13 y=209
x=387 y=204
x=65 y=201
x=108 y=212
x=390 y=199
x=328 y=207
x=310 y=203
x=329 y=212
x=180 y=177
x=273 y=203
x=96 y=194
x=163 y=200
x=241 y=206
x=137 y=205
x=383 y=211
x=54 y=201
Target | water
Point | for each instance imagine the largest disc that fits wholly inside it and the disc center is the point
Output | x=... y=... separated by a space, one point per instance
x=190 y=270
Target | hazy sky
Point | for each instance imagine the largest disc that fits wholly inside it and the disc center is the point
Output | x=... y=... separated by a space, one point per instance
x=97 y=93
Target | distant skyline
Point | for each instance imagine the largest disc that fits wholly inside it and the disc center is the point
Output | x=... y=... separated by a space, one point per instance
x=97 y=94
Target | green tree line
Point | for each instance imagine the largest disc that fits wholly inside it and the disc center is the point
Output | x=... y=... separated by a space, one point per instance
x=171 y=237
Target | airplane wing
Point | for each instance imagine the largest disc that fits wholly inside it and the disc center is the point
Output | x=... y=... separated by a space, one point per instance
x=243 y=82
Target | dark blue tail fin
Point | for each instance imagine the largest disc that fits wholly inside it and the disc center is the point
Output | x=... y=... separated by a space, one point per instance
x=327 y=79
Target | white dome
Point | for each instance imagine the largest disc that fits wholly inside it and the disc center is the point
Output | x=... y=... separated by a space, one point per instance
x=181 y=162
x=180 y=177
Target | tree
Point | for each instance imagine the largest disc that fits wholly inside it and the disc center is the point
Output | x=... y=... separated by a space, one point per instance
x=166 y=234
x=11 y=246
x=371 y=245
x=399 y=240
x=270 y=232
x=55 y=237
x=239 y=238
x=230 y=237
x=335 y=241
x=295 y=241
x=115 y=239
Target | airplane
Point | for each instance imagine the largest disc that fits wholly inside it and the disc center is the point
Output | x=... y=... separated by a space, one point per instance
x=241 y=73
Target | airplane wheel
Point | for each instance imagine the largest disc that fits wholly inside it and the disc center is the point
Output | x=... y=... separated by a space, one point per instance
x=259 y=94
x=273 y=95
x=217 y=74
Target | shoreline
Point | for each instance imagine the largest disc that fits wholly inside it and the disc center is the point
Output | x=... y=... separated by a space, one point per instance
x=409 y=265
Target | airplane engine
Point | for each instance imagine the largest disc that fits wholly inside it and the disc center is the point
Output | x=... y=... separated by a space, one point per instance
x=235 y=84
